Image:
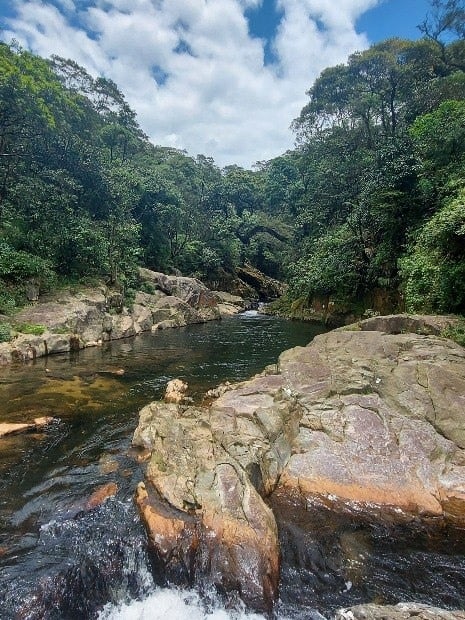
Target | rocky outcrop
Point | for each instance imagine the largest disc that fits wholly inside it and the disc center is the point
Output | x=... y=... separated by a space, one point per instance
x=266 y=288
x=92 y=316
x=409 y=323
x=189 y=290
x=204 y=517
x=365 y=422
x=248 y=283
x=378 y=421
x=403 y=611
x=229 y=304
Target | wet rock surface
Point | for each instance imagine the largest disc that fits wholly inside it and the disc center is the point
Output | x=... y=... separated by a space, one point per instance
x=403 y=611
x=12 y=428
x=363 y=422
x=203 y=515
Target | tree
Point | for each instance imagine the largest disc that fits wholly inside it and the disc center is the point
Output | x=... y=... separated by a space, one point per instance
x=433 y=272
x=446 y=18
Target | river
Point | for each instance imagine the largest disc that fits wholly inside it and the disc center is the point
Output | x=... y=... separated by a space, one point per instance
x=61 y=559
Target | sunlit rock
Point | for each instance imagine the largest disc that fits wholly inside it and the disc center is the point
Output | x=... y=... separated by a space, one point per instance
x=204 y=517
x=175 y=391
x=402 y=611
x=9 y=428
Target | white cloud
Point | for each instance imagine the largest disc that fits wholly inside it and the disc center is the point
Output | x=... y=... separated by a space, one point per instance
x=219 y=98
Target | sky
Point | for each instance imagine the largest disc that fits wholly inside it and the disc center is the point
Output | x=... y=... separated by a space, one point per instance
x=224 y=78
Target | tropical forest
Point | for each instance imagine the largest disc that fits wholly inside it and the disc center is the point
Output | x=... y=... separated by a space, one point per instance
x=228 y=392
x=371 y=199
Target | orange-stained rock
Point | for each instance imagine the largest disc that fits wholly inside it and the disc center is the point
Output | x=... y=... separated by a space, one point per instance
x=203 y=515
x=101 y=494
x=361 y=421
x=172 y=536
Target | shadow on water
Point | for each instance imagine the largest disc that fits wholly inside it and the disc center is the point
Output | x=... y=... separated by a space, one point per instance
x=62 y=558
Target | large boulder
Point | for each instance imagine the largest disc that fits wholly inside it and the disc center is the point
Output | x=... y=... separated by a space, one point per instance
x=205 y=519
x=190 y=290
x=174 y=312
x=229 y=304
x=362 y=417
x=361 y=422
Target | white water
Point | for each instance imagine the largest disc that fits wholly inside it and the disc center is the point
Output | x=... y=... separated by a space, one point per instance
x=173 y=604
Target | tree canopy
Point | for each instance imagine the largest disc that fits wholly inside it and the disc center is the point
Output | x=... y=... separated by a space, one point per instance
x=371 y=197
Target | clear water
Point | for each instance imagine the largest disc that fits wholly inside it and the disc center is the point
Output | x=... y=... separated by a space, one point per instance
x=60 y=559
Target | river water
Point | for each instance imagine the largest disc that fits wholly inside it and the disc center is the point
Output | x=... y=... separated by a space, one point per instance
x=61 y=558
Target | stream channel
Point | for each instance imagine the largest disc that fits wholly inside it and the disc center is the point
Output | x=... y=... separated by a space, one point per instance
x=62 y=559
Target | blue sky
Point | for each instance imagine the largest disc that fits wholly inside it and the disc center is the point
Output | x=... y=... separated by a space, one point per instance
x=220 y=77
x=398 y=18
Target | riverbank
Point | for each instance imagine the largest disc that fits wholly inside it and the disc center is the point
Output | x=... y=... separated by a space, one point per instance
x=68 y=321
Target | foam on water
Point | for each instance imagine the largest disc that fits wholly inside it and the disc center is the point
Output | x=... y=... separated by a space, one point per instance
x=173 y=604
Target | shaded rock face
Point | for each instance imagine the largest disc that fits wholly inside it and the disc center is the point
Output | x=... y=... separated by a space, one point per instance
x=358 y=421
x=266 y=288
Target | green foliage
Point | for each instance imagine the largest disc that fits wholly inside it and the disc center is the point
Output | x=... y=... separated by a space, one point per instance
x=333 y=266
x=433 y=272
x=29 y=328
x=5 y=332
x=146 y=287
x=18 y=265
x=378 y=174
x=456 y=332
x=7 y=299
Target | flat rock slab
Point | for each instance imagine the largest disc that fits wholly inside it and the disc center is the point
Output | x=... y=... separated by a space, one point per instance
x=402 y=611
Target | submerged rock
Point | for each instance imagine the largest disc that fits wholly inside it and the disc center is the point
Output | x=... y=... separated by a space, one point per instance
x=101 y=494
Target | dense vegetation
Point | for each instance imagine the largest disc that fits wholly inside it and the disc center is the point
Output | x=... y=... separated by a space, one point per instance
x=83 y=193
x=372 y=198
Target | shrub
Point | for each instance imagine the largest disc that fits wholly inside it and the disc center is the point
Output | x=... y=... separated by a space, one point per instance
x=456 y=332
x=5 y=332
